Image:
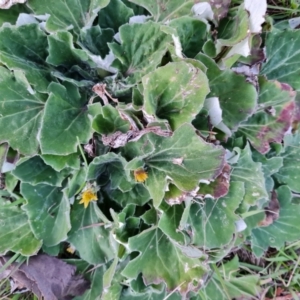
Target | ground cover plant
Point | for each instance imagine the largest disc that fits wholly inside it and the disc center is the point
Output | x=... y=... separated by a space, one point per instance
x=143 y=143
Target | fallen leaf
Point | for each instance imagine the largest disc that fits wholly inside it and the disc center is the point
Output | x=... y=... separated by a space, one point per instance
x=47 y=276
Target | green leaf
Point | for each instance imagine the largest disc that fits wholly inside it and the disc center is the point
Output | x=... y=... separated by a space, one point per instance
x=21 y=113
x=237 y=97
x=96 y=40
x=114 y=165
x=283 y=57
x=15 y=232
x=35 y=171
x=273 y=117
x=213 y=224
x=91 y=239
x=184 y=159
x=114 y=15
x=66 y=14
x=170 y=220
x=11 y=15
x=65 y=119
x=96 y=289
x=59 y=162
x=164 y=10
x=141 y=51
x=3 y=152
x=138 y=195
x=285 y=229
x=226 y=284
x=76 y=182
x=175 y=92
x=234 y=29
x=48 y=211
x=110 y=121
x=289 y=172
x=192 y=34
x=250 y=172
x=25 y=48
x=62 y=51
x=160 y=260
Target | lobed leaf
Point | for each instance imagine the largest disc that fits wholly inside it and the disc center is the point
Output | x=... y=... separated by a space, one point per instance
x=164 y=10
x=26 y=48
x=183 y=159
x=285 y=229
x=67 y=14
x=273 y=116
x=175 y=92
x=213 y=224
x=15 y=232
x=141 y=50
x=65 y=118
x=48 y=211
x=21 y=113
x=158 y=255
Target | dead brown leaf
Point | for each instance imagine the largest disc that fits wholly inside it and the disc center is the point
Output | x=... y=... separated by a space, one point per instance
x=272 y=211
x=119 y=139
x=48 y=277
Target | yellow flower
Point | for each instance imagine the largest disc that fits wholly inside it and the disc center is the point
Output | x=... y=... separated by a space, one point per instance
x=87 y=196
x=140 y=175
x=71 y=249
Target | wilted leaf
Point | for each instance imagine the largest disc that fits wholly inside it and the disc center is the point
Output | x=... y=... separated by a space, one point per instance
x=35 y=171
x=141 y=50
x=220 y=8
x=273 y=117
x=91 y=239
x=219 y=187
x=15 y=232
x=283 y=57
x=164 y=10
x=158 y=255
x=25 y=48
x=159 y=156
x=48 y=277
x=213 y=225
x=237 y=97
x=271 y=211
x=285 y=229
x=48 y=212
x=250 y=172
x=66 y=14
x=65 y=119
x=175 y=92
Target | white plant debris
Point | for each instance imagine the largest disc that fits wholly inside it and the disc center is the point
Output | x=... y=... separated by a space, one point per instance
x=6 y=4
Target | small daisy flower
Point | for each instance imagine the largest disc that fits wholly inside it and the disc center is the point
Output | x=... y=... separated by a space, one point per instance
x=88 y=194
x=140 y=175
